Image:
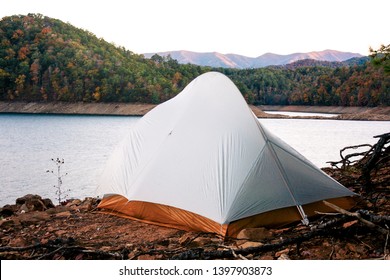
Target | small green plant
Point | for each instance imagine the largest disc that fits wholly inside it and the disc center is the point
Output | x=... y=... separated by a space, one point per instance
x=60 y=192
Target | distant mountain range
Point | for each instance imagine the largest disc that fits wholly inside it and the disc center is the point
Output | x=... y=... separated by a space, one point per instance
x=215 y=59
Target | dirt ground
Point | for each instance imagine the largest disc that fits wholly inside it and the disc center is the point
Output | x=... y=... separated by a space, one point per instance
x=79 y=231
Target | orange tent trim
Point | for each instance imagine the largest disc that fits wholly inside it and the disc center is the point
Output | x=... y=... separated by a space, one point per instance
x=169 y=216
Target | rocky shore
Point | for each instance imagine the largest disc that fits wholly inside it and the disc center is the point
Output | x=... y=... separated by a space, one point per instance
x=34 y=228
x=139 y=109
x=120 y=109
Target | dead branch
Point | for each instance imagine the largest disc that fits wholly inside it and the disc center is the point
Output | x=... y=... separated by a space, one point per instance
x=329 y=223
x=239 y=256
x=372 y=217
x=63 y=247
x=20 y=249
x=101 y=253
x=375 y=157
x=358 y=216
x=200 y=253
x=346 y=159
x=48 y=254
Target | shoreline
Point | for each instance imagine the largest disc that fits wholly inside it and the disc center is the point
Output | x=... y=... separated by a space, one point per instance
x=385 y=110
x=140 y=109
x=79 y=108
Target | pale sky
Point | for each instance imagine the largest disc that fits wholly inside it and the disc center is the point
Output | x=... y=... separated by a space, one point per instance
x=246 y=27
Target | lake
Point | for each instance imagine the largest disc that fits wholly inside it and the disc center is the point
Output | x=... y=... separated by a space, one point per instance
x=302 y=114
x=29 y=142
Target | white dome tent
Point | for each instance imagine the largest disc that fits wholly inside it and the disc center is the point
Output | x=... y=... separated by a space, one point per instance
x=202 y=161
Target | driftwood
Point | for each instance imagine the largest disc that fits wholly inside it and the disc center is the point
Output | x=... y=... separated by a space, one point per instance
x=346 y=160
x=200 y=253
x=380 y=154
x=358 y=216
x=368 y=159
x=375 y=158
x=372 y=217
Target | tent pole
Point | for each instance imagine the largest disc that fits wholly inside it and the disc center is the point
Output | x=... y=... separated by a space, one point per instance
x=304 y=220
x=268 y=143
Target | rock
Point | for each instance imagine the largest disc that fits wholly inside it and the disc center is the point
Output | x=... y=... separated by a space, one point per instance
x=250 y=244
x=354 y=248
x=60 y=232
x=283 y=257
x=280 y=231
x=86 y=205
x=44 y=240
x=31 y=202
x=8 y=210
x=23 y=209
x=35 y=205
x=149 y=257
x=65 y=214
x=266 y=257
x=48 y=203
x=163 y=243
x=33 y=217
x=49 y=229
x=200 y=242
x=7 y=223
x=57 y=210
x=254 y=234
x=22 y=200
x=285 y=251
x=74 y=202
x=186 y=238
x=17 y=242
x=307 y=254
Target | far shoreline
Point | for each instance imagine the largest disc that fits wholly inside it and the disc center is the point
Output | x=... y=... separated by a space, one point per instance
x=139 y=109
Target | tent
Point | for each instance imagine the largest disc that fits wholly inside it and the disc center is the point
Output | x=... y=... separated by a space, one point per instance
x=202 y=161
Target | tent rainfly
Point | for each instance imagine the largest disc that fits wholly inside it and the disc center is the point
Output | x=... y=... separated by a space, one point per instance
x=202 y=161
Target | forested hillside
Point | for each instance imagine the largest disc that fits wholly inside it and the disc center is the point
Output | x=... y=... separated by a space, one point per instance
x=357 y=85
x=43 y=59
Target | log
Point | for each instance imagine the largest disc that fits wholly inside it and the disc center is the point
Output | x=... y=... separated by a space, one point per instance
x=356 y=215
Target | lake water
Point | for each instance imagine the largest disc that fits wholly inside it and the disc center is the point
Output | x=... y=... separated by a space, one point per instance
x=302 y=114
x=28 y=142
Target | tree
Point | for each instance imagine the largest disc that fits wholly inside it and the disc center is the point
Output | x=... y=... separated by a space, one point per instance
x=381 y=57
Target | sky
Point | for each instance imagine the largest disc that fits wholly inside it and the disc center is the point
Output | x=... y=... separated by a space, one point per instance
x=245 y=27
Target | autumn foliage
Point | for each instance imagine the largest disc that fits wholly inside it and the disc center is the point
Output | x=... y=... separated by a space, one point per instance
x=45 y=60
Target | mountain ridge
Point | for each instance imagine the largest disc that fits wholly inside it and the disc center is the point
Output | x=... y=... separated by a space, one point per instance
x=230 y=60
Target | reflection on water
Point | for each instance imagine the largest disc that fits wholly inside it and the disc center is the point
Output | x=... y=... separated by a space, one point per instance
x=302 y=114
